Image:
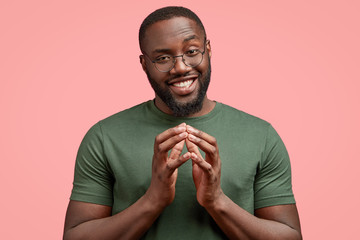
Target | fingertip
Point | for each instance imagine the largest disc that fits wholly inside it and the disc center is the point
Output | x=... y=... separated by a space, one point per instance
x=187 y=155
x=192 y=138
x=190 y=129
x=183 y=135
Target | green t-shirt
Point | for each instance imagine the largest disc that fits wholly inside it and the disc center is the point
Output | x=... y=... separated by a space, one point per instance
x=113 y=167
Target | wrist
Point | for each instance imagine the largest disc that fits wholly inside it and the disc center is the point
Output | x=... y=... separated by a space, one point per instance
x=218 y=204
x=154 y=202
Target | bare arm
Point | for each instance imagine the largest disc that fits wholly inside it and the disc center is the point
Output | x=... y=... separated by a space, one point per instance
x=277 y=222
x=92 y=221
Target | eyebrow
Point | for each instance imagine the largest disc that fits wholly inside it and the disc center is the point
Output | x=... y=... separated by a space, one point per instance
x=161 y=50
x=190 y=38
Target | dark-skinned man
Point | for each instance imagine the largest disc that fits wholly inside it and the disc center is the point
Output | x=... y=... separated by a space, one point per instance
x=181 y=166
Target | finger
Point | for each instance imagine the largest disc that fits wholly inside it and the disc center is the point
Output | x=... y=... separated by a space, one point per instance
x=191 y=147
x=204 y=141
x=205 y=166
x=164 y=147
x=170 y=133
x=197 y=173
x=176 y=151
x=210 y=150
x=202 y=135
x=173 y=164
x=161 y=146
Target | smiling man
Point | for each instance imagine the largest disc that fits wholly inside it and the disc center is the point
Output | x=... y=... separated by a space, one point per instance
x=183 y=93
x=212 y=172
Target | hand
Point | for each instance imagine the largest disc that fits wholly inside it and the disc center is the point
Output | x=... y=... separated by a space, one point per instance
x=206 y=173
x=164 y=168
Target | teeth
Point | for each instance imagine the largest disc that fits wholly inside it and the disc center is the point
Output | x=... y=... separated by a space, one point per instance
x=184 y=83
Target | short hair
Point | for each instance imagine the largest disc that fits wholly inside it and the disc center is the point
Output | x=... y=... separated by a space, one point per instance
x=167 y=13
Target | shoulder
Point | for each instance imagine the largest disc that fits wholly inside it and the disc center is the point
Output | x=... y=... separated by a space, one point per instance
x=126 y=117
x=246 y=120
x=127 y=114
x=115 y=122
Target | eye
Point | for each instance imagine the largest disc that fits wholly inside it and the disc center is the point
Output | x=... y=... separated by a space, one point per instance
x=163 y=59
x=192 y=52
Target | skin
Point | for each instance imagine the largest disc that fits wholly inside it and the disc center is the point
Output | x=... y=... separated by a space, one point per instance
x=276 y=222
x=92 y=221
x=174 y=37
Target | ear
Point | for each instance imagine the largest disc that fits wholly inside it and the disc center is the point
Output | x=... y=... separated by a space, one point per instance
x=208 y=46
x=142 y=62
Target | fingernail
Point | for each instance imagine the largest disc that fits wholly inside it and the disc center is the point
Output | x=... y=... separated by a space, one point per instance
x=192 y=137
x=190 y=129
x=180 y=129
x=184 y=134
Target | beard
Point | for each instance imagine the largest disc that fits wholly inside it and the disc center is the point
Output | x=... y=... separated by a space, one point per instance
x=180 y=109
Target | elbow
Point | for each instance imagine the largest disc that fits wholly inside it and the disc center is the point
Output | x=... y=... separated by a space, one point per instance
x=289 y=235
x=296 y=235
x=68 y=236
x=72 y=235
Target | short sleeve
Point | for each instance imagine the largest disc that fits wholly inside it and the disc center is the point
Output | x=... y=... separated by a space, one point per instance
x=273 y=178
x=93 y=180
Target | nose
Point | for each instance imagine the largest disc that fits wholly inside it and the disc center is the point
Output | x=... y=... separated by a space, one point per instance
x=179 y=66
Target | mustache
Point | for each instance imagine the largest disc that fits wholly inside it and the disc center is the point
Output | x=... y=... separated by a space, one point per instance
x=182 y=75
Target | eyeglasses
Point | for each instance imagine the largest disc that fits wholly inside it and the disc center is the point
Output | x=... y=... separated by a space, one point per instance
x=191 y=58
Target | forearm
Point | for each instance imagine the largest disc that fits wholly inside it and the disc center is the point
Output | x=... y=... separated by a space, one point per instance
x=237 y=223
x=130 y=223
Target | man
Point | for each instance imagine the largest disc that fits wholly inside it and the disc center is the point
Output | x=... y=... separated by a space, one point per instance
x=214 y=172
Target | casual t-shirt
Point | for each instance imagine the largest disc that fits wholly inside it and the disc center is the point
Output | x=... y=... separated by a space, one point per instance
x=113 y=167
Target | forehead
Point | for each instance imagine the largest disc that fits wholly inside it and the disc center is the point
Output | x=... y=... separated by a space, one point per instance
x=172 y=31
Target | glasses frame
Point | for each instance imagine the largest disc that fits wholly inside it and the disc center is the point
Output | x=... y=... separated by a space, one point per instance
x=182 y=58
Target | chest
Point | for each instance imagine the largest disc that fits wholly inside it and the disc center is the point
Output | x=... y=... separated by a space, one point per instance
x=130 y=159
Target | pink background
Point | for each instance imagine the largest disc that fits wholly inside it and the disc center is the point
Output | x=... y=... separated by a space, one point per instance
x=65 y=65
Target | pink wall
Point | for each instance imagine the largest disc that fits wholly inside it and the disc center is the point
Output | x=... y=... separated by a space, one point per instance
x=66 y=65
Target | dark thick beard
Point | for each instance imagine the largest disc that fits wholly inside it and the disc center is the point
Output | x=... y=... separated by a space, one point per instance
x=183 y=109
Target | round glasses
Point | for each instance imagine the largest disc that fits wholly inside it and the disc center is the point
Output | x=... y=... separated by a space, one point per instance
x=191 y=58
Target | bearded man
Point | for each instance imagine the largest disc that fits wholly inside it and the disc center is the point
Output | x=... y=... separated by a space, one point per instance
x=213 y=172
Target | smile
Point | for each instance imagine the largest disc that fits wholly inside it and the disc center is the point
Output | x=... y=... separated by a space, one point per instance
x=183 y=87
x=183 y=84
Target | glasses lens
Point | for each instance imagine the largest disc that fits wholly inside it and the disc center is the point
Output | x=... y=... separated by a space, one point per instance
x=165 y=64
x=193 y=60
